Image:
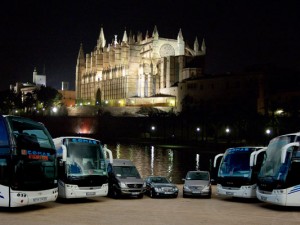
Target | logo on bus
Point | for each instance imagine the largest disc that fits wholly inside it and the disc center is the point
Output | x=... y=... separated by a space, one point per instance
x=36 y=154
x=80 y=140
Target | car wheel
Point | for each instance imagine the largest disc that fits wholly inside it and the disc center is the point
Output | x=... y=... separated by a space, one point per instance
x=115 y=194
x=152 y=194
x=184 y=195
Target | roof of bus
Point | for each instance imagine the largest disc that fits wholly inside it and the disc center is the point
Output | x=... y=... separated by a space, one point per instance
x=58 y=140
x=256 y=147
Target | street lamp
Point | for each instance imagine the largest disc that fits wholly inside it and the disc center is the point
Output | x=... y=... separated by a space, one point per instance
x=227 y=131
x=268 y=134
x=198 y=133
x=54 y=109
x=152 y=131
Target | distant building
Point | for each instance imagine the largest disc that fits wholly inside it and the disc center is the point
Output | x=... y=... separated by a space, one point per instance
x=64 y=85
x=68 y=96
x=28 y=87
x=39 y=80
x=136 y=70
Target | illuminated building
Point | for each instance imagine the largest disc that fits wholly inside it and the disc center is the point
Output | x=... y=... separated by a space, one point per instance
x=139 y=69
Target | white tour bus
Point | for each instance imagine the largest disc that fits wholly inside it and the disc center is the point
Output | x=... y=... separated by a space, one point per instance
x=279 y=177
x=238 y=170
x=27 y=163
x=82 y=169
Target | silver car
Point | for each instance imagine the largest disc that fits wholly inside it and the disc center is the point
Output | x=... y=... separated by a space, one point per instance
x=197 y=183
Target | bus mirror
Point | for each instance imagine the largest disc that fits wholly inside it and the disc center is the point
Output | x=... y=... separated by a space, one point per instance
x=216 y=158
x=109 y=152
x=285 y=149
x=64 y=153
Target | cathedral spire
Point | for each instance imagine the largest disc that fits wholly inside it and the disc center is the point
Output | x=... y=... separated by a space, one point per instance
x=196 y=45
x=155 y=32
x=180 y=36
x=125 y=38
x=81 y=52
x=101 y=41
x=203 y=46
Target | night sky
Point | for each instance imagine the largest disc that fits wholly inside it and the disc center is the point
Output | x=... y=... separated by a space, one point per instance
x=47 y=34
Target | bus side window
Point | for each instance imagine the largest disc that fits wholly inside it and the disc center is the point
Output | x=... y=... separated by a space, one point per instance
x=3 y=134
x=4 y=172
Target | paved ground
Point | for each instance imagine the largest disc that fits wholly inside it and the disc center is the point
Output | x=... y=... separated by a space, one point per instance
x=147 y=211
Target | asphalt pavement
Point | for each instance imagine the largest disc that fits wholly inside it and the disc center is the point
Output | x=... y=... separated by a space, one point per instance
x=147 y=211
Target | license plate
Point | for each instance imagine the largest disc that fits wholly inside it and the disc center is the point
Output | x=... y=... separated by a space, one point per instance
x=90 y=193
x=229 y=193
x=135 y=193
x=168 y=193
x=40 y=199
x=263 y=198
x=196 y=192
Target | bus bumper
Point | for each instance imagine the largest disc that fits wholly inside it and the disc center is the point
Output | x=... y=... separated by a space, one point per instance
x=278 y=197
x=23 y=198
x=248 y=191
x=73 y=191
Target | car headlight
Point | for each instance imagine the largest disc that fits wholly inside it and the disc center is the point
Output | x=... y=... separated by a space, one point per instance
x=157 y=189
x=122 y=185
x=175 y=189
x=186 y=188
x=206 y=188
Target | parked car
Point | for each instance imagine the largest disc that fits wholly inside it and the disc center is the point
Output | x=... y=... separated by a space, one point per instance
x=159 y=186
x=124 y=179
x=197 y=183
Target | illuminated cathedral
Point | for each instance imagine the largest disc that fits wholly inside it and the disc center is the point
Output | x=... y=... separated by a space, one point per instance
x=136 y=70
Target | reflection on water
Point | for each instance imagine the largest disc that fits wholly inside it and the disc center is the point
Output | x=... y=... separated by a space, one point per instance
x=165 y=161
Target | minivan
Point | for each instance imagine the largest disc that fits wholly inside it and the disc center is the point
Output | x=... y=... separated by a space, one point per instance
x=124 y=179
x=197 y=183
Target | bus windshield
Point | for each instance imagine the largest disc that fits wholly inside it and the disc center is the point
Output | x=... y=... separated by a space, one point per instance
x=235 y=163
x=34 y=158
x=85 y=158
x=272 y=162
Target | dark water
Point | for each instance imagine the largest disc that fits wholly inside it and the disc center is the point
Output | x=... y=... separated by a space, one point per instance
x=170 y=161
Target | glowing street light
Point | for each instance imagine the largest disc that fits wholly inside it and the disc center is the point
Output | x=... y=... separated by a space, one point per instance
x=54 y=109
x=198 y=133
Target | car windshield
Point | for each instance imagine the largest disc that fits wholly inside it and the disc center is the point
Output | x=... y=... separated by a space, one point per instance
x=161 y=180
x=197 y=176
x=126 y=171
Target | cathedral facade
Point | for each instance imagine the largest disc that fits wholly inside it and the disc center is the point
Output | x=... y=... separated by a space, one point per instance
x=133 y=69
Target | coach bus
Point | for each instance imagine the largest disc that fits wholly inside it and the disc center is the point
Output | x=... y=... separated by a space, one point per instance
x=82 y=169
x=279 y=177
x=238 y=170
x=27 y=163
